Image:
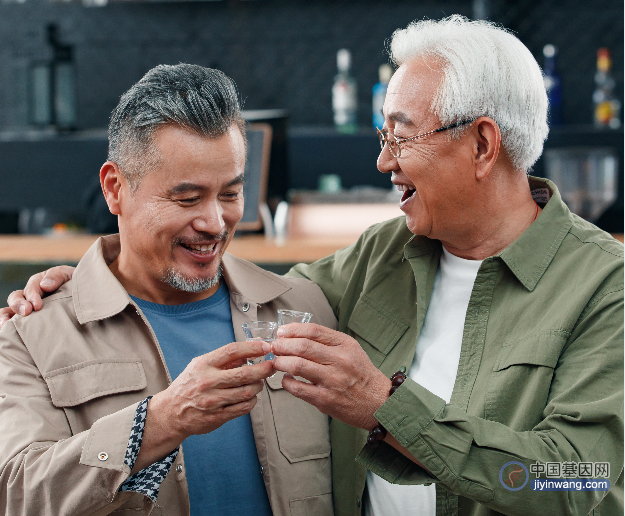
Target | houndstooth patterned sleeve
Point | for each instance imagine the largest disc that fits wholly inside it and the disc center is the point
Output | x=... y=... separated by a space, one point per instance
x=148 y=480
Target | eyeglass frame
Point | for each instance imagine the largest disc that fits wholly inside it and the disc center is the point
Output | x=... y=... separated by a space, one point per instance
x=383 y=136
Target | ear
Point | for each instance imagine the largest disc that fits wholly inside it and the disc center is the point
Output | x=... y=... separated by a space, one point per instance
x=111 y=180
x=486 y=146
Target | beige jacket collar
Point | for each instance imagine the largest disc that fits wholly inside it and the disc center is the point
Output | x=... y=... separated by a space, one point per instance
x=97 y=293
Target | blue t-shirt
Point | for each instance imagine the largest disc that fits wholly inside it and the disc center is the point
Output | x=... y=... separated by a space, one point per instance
x=223 y=471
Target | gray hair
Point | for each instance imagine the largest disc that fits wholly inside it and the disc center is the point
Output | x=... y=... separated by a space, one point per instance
x=486 y=72
x=200 y=99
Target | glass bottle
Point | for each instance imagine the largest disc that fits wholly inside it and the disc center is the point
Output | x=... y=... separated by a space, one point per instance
x=379 y=94
x=553 y=85
x=606 y=106
x=344 y=95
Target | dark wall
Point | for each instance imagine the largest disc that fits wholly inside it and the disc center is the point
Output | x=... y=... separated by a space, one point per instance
x=281 y=53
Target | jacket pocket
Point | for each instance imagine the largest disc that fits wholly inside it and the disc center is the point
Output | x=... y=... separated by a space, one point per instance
x=79 y=383
x=312 y=506
x=375 y=325
x=521 y=378
x=538 y=349
x=303 y=432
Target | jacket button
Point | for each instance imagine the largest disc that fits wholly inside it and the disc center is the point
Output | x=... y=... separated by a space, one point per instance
x=246 y=307
x=357 y=501
x=179 y=468
x=103 y=456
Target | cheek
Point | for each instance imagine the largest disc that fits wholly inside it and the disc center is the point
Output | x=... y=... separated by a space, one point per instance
x=233 y=212
x=152 y=216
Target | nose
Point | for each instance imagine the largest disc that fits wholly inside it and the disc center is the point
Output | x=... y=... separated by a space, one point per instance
x=210 y=219
x=386 y=161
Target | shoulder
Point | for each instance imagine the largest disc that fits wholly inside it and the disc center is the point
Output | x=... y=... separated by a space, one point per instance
x=56 y=308
x=39 y=333
x=593 y=253
x=594 y=240
x=594 y=259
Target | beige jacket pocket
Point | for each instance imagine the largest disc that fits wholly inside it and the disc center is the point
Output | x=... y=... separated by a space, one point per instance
x=303 y=432
x=312 y=506
x=79 y=383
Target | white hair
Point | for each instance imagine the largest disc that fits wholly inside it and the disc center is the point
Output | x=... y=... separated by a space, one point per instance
x=486 y=72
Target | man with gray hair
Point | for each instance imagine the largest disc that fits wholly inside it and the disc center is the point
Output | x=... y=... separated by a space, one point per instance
x=136 y=354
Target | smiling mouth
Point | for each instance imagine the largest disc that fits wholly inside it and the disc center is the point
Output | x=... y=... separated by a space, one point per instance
x=200 y=248
x=407 y=190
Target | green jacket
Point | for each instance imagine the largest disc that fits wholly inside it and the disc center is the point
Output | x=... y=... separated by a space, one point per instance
x=540 y=377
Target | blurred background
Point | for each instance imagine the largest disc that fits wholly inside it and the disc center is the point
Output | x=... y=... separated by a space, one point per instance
x=64 y=65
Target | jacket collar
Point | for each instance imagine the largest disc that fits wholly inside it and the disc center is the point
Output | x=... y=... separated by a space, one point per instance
x=529 y=255
x=97 y=293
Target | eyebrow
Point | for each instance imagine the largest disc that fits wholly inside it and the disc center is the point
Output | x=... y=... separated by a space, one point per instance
x=400 y=117
x=185 y=187
x=237 y=180
x=194 y=187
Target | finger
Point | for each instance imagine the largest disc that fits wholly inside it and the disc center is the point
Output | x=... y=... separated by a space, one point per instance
x=32 y=293
x=235 y=363
x=55 y=277
x=241 y=376
x=305 y=348
x=214 y=401
x=239 y=394
x=297 y=366
x=5 y=315
x=239 y=409
x=233 y=351
x=302 y=390
x=18 y=304
x=314 y=332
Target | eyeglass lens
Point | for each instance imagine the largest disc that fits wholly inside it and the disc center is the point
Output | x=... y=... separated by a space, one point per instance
x=386 y=137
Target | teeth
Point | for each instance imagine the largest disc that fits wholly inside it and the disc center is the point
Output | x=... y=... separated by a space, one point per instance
x=404 y=188
x=202 y=248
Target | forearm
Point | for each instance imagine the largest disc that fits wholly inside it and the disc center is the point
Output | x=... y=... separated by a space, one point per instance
x=466 y=453
x=158 y=438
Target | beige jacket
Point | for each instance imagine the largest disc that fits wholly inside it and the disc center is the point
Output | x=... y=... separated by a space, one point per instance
x=72 y=375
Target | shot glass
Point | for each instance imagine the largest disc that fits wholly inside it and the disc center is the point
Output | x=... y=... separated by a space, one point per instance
x=293 y=316
x=264 y=331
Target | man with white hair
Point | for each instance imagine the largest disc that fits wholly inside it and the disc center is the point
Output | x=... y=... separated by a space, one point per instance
x=504 y=309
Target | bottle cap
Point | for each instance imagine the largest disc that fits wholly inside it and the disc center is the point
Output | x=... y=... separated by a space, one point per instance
x=604 y=63
x=343 y=60
x=385 y=72
x=549 y=50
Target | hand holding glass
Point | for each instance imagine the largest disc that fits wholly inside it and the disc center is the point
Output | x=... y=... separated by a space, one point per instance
x=264 y=331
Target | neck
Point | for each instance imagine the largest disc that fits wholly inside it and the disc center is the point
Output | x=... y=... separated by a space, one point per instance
x=503 y=211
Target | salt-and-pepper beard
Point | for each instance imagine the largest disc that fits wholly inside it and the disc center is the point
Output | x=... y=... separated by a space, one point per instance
x=178 y=281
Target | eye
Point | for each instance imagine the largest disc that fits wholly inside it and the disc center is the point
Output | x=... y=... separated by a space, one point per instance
x=231 y=196
x=188 y=201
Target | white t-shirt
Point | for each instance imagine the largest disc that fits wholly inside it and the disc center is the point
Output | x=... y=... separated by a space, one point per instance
x=434 y=367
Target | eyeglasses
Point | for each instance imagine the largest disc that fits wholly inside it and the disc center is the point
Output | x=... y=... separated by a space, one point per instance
x=394 y=142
